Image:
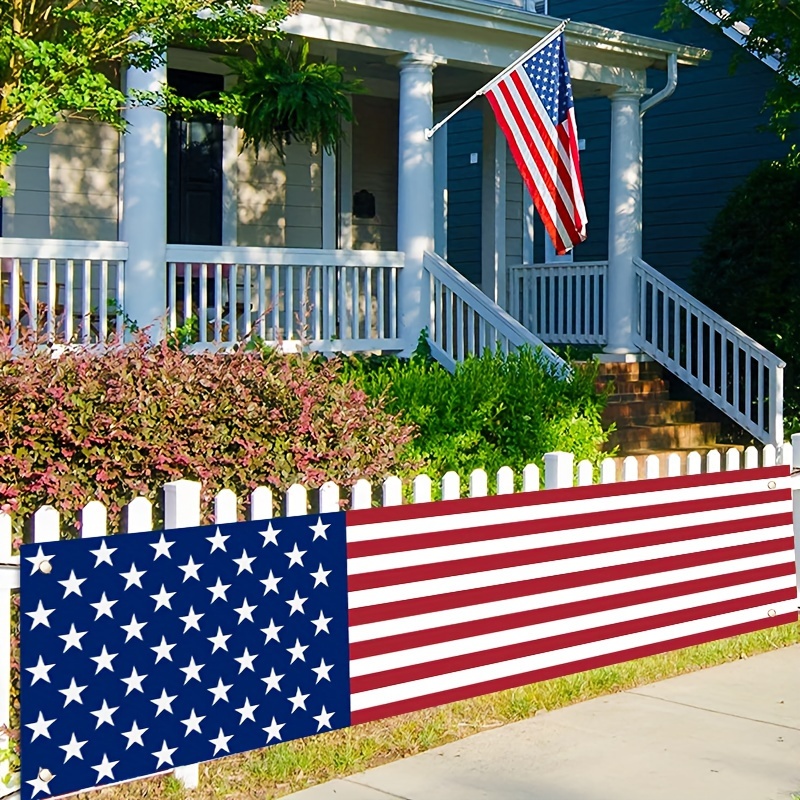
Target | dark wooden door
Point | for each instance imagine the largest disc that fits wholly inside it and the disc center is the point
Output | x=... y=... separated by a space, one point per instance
x=194 y=167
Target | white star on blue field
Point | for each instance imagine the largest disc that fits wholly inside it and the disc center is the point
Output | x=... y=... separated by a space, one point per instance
x=547 y=70
x=149 y=651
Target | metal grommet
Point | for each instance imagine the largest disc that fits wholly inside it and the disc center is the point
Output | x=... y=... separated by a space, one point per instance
x=45 y=775
x=46 y=567
x=771 y=485
x=772 y=612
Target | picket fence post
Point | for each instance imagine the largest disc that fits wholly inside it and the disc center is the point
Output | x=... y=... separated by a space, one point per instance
x=558 y=470
x=421 y=489
x=182 y=510
x=328 y=498
x=505 y=480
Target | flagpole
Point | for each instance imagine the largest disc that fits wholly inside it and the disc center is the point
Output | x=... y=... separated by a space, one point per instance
x=557 y=31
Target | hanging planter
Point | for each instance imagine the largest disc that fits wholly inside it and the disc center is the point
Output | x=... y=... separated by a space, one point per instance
x=281 y=96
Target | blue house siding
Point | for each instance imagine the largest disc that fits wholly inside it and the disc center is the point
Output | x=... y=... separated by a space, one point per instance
x=464 y=136
x=698 y=145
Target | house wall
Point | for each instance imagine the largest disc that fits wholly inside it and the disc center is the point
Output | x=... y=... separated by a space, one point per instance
x=279 y=204
x=464 y=137
x=66 y=184
x=374 y=159
x=514 y=211
x=698 y=145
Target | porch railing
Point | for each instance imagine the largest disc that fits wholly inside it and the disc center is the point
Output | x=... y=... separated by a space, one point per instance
x=560 y=302
x=324 y=299
x=716 y=359
x=464 y=321
x=62 y=290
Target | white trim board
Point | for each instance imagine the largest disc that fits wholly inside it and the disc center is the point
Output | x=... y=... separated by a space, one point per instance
x=738 y=33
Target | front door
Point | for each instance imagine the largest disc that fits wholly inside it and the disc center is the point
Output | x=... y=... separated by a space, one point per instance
x=194 y=166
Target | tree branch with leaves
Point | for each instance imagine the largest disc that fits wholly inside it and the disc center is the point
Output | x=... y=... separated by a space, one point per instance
x=62 y=59
x=771 y=28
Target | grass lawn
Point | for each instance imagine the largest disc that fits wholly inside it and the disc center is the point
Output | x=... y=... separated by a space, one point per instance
x=285 y=768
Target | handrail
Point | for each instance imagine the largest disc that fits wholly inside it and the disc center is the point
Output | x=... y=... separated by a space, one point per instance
x=63 y=249
x=715 y=358
x=465 y=321
x=279 y=256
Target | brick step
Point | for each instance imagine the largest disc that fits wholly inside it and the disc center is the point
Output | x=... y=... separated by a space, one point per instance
x=630 y=372
x=687 y=436
x=645 y=388
x=649 y=412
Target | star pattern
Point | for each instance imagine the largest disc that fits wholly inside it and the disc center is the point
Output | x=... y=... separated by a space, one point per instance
x=177 y=647
x=545 y=70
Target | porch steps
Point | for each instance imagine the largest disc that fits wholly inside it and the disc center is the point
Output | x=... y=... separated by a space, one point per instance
x=647 y=421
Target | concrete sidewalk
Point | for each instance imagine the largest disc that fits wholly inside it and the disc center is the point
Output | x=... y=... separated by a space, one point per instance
x=730 y=733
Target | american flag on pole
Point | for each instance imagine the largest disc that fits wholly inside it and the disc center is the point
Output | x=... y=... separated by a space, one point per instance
x=148 y=651
x=533 y=105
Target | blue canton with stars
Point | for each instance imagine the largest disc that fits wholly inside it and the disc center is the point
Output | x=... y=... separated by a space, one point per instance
x=149 y=651
x=548 y=71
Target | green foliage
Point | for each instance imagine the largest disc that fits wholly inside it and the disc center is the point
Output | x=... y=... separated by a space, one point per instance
x=111 y=427
x=749 y=270
x=281 y=94
x=64 y=58
x=774 y=32
x=494 y=411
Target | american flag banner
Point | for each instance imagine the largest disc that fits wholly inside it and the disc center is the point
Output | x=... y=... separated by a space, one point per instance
x=149 y=651
x=533 y=106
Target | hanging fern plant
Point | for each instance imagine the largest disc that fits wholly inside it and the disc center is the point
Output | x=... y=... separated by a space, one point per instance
x=281 y=96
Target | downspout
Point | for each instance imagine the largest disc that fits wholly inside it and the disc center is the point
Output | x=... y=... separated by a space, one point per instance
x=644 y=107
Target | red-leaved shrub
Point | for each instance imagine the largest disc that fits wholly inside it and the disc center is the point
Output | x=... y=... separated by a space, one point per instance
x=115 y=425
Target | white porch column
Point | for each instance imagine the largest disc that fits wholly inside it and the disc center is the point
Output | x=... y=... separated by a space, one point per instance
x=415 y=192
x=624 y=235
x=144 y=206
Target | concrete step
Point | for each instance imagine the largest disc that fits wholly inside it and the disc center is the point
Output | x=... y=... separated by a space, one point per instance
x=687 y=436
x=649 y=412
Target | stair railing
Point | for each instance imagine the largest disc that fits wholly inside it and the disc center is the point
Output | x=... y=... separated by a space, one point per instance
x=465 y=321
x=720 y=362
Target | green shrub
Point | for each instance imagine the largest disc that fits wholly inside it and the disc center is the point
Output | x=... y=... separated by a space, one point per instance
x=749 y=270
x=110 y=427
x=494 y=411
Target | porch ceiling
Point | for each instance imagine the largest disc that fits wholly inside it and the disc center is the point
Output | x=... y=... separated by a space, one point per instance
x=477 y=40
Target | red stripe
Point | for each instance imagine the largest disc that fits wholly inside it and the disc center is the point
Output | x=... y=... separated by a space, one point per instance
x=511 y=137
x=560 y=670
x=544 y=212
x=541 y=555
x=551 y=524
x=497 y=655
x=524 y=122
x=550 y=496
x=462 y=630
x=469 y=597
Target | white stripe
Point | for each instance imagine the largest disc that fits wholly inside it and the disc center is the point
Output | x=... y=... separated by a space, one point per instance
x=530 y=163
x=537 y=541
x=500 y=577
x=475 y=519
x=552 y=129
x=575 y=168
x=435 y=619
x=565 y=657
x=529 y=633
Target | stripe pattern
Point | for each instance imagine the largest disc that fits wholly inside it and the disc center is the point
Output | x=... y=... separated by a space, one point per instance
x=492 y=593
x=534 y=108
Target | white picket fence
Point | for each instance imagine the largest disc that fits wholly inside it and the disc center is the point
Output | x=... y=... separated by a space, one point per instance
x=182 y=509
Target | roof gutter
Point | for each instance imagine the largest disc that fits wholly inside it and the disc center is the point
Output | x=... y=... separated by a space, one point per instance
x=672 y=82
